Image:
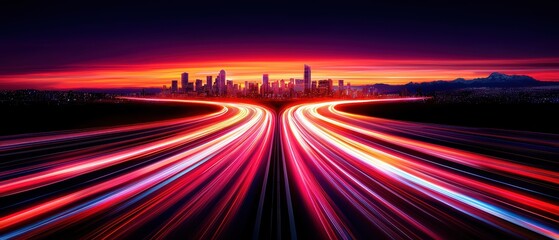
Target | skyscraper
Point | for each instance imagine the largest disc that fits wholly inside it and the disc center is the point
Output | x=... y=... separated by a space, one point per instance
x=215 y=88
x=275 y=88
x=174 y=86
x=265 y=84
x=307 y=79
x=209 y=85
x=199 y=88
x=300 y=85
x=221 y=82
x=313 y=87
x=229 y=87
x=184 y=81
x=190 y=87
x=323 y=87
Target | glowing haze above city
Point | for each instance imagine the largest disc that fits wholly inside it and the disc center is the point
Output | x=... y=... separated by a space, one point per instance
x=354 y=70
x=146 y=45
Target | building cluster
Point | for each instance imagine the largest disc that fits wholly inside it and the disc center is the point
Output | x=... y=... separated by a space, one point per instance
x=533 y=95
x=33 y=97
x=275 y=89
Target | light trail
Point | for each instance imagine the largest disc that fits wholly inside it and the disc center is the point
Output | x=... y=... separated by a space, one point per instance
x=196 y=171
x=319 y=172
x=362 y=177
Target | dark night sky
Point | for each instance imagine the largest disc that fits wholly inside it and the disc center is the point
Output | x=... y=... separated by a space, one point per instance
x=47 y=36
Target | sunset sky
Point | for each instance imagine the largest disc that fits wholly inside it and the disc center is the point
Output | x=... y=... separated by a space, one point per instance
x=64 y=46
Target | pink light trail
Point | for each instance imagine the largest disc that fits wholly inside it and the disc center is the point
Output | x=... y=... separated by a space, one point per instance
x=312 y=170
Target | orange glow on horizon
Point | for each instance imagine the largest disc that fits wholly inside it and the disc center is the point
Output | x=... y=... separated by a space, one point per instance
x=354 y=71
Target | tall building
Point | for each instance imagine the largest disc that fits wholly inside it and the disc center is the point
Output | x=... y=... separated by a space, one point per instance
x=313 y=87
x=299 y=85
x=221 y=82
x=265 y=84
x=341 y=87
x=184 y=81
x=215 y=88
x=199 y=87
x=209 y=85
x=229 y=87
x=174 y=86
x=275 y=87
x=190 y=87
x=324 y=87
x=283 y=86
x=307 y=78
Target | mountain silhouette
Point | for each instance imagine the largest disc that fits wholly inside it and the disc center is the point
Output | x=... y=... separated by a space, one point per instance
x=494 y=80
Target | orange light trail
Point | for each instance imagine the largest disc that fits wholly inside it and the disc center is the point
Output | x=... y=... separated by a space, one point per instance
x=347 y=167
x=312 y=170
x=215 y=157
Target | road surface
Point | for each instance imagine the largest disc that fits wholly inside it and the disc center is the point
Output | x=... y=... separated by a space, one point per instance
x=310 y=171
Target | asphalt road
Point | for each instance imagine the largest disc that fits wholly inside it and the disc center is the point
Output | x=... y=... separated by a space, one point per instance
x=310 y=171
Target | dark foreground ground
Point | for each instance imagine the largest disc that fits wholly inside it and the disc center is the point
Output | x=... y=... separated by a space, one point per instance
x=38 y=117
x=526 y=117
x=43 y=117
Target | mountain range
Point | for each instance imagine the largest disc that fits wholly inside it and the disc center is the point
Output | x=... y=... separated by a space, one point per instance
x=494 y=80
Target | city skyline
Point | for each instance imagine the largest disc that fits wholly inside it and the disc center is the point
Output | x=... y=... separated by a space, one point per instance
x=276 y=88
x=338 y=88
x=122 y=46
x=358 y=71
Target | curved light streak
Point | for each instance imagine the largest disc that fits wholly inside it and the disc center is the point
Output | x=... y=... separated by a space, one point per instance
x=215 y=175
x=189 y=163
x=404 y=179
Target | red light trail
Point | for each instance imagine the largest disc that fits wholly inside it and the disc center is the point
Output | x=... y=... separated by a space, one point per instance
x=212 y=158
x=351 y=176
x=343 y=164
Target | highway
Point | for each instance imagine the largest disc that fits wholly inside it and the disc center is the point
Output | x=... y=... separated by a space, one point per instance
x=364 y=177
x=309 y=171
x=110 y=183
